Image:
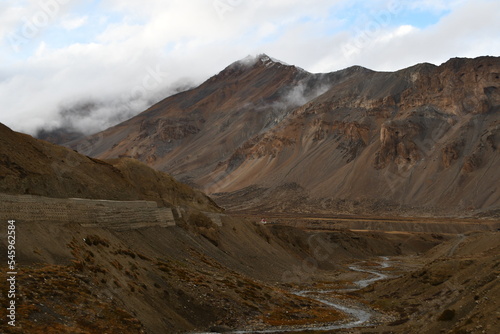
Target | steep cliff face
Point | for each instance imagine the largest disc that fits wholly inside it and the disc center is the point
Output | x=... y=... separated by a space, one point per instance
x=423 y=138
x=459 y=86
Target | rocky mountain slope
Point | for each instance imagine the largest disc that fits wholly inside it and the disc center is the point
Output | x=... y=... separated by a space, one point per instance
x=262 y=135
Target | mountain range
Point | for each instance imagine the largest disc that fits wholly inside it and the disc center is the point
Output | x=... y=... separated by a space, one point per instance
x=263 y=135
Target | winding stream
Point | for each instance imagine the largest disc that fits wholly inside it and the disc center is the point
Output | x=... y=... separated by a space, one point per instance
x=361 y=317
x=378 y=275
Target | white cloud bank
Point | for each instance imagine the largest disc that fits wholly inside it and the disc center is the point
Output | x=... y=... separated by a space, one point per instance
x=118 y=57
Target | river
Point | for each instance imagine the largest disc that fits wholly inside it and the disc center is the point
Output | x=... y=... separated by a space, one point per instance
x=360 y=316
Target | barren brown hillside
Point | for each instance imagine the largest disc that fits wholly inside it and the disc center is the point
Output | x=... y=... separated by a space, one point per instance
x=34 y=167
x=267 y=136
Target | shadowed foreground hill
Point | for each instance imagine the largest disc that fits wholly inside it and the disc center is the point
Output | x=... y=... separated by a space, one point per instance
x=35 y=167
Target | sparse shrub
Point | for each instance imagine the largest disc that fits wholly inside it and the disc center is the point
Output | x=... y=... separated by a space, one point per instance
x=88 y=240
x=163 y=266
x=117 y=265
x=95 y=240
x=98 y=269
x=447 y=315
x=78 y=265
x=125 y=252
x=201 y=220
x=143 y=257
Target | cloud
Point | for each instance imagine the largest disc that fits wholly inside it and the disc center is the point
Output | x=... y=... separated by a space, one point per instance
x=465 y=32
x=120 y=56
x=469 y=30
x=72 y=23
x=435 y=6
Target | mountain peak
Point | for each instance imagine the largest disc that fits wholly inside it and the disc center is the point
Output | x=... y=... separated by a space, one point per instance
x=269 y=61
x=254 y=62
x=261 y=59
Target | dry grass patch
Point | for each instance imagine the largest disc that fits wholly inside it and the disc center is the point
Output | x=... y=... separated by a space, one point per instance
x=302 y=316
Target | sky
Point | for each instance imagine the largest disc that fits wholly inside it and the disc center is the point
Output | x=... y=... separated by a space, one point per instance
x=87 y=65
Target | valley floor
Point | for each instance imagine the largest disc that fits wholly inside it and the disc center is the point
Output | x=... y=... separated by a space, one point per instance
x=451 y=288
x=360 y=223
x=293 y=274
